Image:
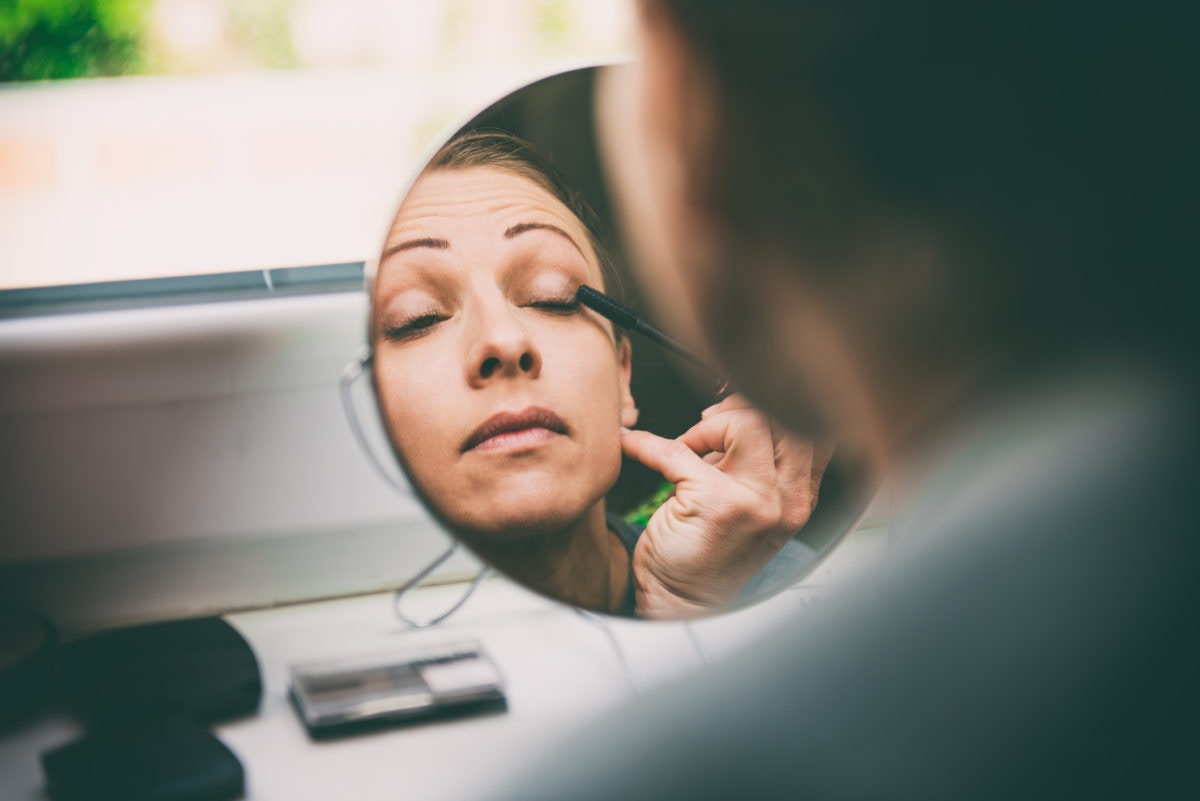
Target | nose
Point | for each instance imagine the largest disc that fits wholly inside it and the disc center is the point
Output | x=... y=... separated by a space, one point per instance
x=500 y=347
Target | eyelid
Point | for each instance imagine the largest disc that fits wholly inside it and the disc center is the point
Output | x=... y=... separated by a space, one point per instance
x=555 y=296
x=564 y=296
x=550 y=282
x=563 y=306
x=413 y=325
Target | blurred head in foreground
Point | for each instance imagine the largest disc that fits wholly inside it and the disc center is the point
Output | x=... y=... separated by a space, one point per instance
x=885 y=213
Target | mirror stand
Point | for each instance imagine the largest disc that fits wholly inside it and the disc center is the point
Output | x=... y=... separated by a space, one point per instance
x=358 y=367
x=415 y=582
x=351 y=375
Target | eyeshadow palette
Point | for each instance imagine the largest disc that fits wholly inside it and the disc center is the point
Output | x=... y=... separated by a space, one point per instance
x=341 y=697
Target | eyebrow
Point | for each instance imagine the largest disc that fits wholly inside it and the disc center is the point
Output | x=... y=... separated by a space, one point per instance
x=437 y=243
x=520 y=228
x=424 y=242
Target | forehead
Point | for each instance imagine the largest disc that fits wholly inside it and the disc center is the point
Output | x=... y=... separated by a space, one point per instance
x=486 y=200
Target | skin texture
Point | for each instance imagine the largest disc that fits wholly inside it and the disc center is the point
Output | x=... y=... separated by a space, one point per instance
x=486 y=325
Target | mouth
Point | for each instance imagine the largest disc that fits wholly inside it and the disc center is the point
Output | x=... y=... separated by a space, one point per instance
x=515 y=429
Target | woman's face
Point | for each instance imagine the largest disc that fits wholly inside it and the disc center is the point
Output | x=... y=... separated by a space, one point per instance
x=505 y=398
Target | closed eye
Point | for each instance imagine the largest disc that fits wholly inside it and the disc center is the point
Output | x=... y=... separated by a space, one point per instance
x=412 y=327
x=564 y=305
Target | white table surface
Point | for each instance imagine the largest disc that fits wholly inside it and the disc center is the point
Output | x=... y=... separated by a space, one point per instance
x=560 y=671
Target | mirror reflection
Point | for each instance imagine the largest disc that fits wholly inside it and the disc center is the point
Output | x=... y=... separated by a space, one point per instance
x=593 y=468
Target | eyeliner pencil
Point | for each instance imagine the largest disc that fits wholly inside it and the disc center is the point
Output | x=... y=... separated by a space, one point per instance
x=624 y=318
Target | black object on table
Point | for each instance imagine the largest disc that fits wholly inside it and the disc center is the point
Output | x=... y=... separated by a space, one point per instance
x=202 y=669
x=26 y=663
x=157 y=759
x=145 y=693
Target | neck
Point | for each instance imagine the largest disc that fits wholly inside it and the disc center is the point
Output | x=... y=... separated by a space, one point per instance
x=583 y=564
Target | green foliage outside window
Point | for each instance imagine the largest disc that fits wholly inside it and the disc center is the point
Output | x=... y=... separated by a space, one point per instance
x=49 y=39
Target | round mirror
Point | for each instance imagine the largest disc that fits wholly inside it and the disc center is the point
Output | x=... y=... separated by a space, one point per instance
x=567 y=440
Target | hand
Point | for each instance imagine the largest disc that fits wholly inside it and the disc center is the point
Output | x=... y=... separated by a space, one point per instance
x=743 y=488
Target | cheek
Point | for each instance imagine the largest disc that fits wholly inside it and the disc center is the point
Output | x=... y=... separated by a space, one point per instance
x=589 y=381
x=586 y=358
x=416 y=396
x=594 y=385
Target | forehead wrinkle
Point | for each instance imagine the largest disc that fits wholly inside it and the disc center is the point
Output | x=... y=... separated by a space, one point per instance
x=495 y=193
x=448 y=198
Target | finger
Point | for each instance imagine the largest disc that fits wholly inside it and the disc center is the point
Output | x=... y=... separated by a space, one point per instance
x=670 y=457
x=794 y=460
x=822 y=454
x=732 y=403
x=716 y=432
x=744 y=437
x=794 y=466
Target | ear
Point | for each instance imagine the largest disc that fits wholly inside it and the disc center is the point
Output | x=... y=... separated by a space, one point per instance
x=629 y=410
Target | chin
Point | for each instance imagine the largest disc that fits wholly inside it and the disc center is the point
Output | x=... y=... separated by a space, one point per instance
x=524 y=509
x=520 y=519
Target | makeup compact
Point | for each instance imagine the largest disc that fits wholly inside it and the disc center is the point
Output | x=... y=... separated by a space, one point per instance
x=346 y=696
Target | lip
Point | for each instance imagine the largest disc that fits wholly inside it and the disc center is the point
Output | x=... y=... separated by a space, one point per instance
x=533 y=417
